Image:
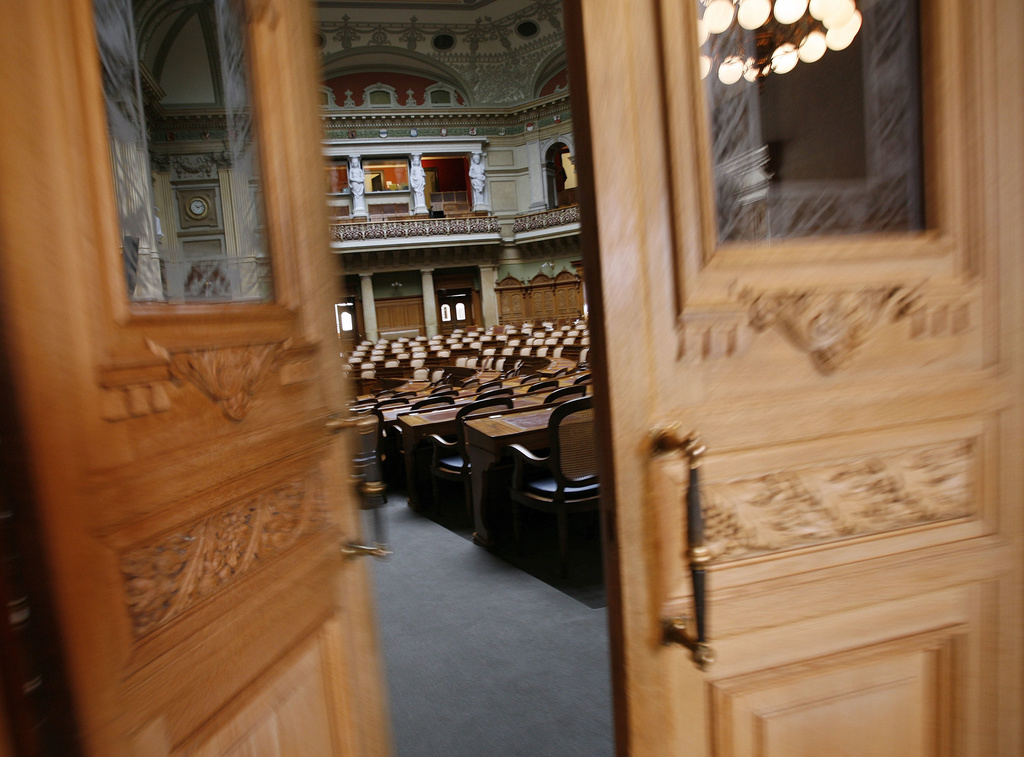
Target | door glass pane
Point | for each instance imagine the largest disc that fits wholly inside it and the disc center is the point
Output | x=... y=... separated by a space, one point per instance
x=816 y=122
x=183 y=150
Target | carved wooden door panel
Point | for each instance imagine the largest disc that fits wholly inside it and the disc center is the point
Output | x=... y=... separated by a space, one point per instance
x=192 y=500
x=858 y=394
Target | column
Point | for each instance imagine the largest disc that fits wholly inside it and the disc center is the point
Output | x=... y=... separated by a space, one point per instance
x=429 y=301
x=535 y=164
x=134 y=194
x=167 y=237
x=488 y=297
x=369 y=306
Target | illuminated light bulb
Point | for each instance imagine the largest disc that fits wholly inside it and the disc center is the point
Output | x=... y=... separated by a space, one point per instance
x=705 y=66
x=790 y=11
x=731 y=70
x=702 y=32
x=750 y=71
x=813 y=47
x=840 y=39
x=821 y=9
x=753 y=14
x=718 y=16
x=785 y=58
x=841 y=16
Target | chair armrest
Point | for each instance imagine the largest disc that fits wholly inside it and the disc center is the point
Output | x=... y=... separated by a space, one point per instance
x=523 y=457
x=439 y=446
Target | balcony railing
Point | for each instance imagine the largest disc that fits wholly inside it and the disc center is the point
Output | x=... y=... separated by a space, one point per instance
x=547 y=219
x=420 y=227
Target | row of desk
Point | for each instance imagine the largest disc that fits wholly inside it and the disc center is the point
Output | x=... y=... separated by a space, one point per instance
x=487 y=437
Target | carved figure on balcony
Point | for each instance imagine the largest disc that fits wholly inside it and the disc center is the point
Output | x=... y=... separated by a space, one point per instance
x=418 y=182
x=356 y=179
x=478 y=179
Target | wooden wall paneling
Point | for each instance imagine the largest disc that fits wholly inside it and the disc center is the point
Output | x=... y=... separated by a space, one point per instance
x=542 y=298
x=400 y=314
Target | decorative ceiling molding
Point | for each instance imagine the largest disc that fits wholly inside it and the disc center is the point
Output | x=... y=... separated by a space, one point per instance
x=829 y=325
x=491 y=62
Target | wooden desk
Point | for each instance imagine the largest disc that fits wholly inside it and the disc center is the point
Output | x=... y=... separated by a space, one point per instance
x=486 y=440
x=418 y=426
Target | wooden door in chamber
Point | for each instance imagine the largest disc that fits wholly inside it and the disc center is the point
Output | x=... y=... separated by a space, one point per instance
x=856 y=388
x=192 y=501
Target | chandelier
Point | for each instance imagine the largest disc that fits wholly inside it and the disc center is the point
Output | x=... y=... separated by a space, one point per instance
x=749 y=39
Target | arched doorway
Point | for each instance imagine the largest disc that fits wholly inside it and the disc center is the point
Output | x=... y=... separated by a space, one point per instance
x=559 y=176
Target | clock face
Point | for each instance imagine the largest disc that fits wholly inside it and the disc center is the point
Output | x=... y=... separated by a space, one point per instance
x=197 y=207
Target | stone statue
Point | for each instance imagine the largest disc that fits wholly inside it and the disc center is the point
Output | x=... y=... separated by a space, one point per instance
x=478 y=178
x=418 y=182
x=356 y=179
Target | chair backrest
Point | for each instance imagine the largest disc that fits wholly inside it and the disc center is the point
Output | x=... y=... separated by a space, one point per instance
x=573 y=442
x=477 y=407
x=542 y=385
x=500 y=392
x=488 y=385
x=579 y=390
x=433 y=402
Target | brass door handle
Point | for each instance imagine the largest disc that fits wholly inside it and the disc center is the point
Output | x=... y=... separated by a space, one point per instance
x=675 y=630
x=367 y=479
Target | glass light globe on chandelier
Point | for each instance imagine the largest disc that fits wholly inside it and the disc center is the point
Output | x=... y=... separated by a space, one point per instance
x=753 y=38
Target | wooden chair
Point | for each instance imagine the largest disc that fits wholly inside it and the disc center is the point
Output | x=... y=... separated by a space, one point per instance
x=499 y=392
x=563 y=482
x=540 y=386
x=434 y=401
x=579 y=390
x=449 y=460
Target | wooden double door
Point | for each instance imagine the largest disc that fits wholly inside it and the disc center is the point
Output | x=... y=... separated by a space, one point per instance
x=860 y=399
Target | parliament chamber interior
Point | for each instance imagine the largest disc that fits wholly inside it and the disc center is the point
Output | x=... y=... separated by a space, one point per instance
x=517 y=377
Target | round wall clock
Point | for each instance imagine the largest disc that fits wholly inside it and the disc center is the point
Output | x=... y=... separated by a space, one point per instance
x=197 y=207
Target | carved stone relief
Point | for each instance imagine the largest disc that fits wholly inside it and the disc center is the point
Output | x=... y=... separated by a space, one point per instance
x=867 y=495
x=829 y=326
x=168 y=575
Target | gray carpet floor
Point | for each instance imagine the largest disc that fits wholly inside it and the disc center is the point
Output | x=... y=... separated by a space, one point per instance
x=482 y=659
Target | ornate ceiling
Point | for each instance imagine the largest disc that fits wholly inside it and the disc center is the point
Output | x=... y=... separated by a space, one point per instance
x=496 y=53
